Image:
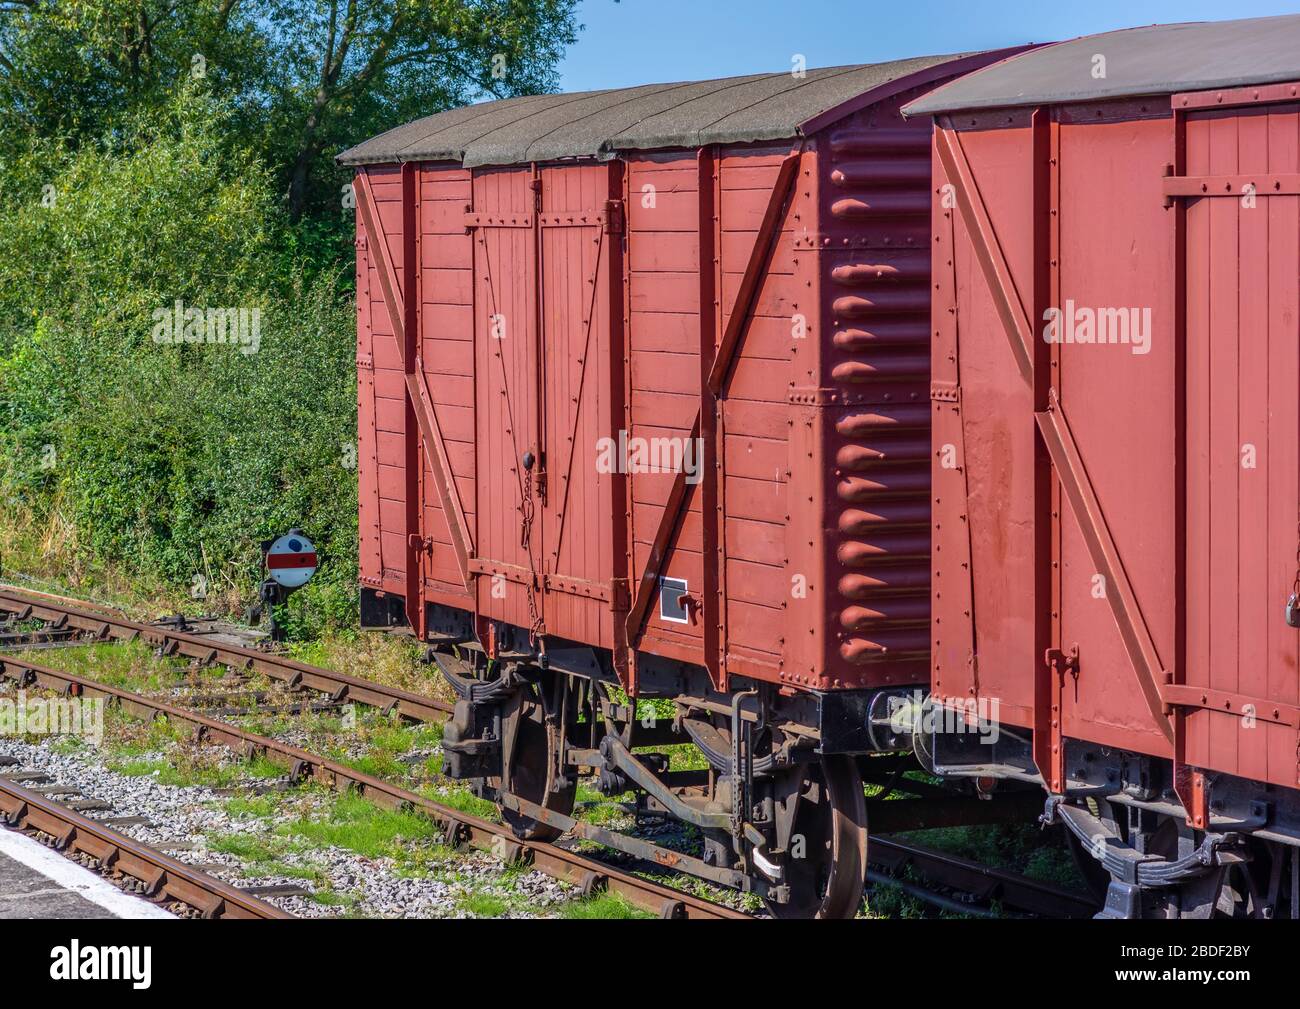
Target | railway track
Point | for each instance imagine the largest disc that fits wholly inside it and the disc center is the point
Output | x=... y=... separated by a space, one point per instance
x=459 y=828
x=984 y=884
x=58 y=614
x=63 y=621
x=158 y=876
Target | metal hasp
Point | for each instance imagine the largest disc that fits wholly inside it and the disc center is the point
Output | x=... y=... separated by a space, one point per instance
x=1049 y=746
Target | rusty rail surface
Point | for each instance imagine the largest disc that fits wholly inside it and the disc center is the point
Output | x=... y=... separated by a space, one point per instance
x=106 y=625
x=164 y=878
x=460 y=828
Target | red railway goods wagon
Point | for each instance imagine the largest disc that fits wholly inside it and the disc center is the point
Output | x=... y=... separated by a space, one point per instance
x=1114 y=403
x=644 y=382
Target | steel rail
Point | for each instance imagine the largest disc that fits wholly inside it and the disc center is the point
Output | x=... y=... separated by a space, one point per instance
x=164 y=878
x=84 y=604
x=981 y=881
x=340 y=686
x=460 y=828
x=931 y=897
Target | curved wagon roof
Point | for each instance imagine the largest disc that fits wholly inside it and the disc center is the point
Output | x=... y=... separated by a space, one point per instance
x=598 y=124
x=1156 y=60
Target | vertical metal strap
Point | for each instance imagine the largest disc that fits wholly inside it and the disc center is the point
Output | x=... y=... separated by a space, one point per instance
x=1049 y=741
x=954 y=561
x=1189 y=783
x=413 y=459
x=712 y=605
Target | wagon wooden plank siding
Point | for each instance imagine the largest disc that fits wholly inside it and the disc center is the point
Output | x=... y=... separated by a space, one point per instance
x=644 y=394
x=568 y=268
x=1115 y=375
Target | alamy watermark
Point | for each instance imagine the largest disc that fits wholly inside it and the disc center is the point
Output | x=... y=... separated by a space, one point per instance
x=75 y=962
x=951 y=715
x=58 y=716
x=651 y=455
x=241 y=327
x=1073 y=324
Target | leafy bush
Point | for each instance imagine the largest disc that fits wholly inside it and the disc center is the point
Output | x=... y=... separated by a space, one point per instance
x=174 y=458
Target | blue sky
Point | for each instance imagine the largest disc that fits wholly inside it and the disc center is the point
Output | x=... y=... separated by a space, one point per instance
x=647 y=41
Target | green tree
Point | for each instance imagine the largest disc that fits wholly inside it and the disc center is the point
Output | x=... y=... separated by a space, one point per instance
x=304 y=78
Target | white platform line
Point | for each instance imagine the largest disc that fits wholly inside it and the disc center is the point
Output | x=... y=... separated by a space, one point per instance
x=76 y=878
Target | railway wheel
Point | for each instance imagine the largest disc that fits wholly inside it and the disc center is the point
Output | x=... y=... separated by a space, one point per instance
x=532 y=746
x=831 y=818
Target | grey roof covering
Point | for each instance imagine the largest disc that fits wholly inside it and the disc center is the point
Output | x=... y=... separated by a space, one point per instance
x=1156 y=60
x=595 y=124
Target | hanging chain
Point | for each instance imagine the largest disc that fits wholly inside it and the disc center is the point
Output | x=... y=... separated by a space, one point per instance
x=1295 y=585
x=527 y=508
x=1292 y=611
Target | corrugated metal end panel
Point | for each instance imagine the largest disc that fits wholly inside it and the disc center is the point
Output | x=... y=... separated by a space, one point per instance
x=876 y=296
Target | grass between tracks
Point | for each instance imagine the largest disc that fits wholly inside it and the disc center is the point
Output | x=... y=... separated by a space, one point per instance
x=278 y=831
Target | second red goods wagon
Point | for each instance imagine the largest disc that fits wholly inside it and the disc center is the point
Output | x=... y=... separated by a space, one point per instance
x=1117 y=509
